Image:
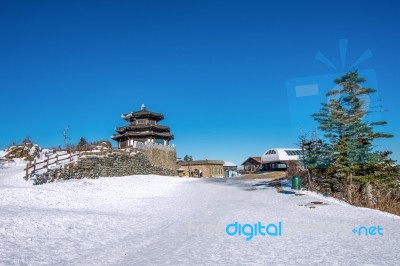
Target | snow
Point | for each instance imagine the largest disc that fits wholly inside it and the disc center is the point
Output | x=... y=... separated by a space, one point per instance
x=33 y=149
x=279 y=154
x=229 y=164
x=155 y=220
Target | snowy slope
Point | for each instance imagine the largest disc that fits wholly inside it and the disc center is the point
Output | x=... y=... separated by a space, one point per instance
x=153 y=220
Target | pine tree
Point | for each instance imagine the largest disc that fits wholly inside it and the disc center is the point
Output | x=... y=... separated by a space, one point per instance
x=82 y=143
x=27 y=140
x=186 y=158
x=344 y=122
x=316 y=152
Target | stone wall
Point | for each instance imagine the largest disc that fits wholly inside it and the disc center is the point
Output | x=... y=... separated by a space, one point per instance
x=107 y=164
x=162 y=158
x=116 y=164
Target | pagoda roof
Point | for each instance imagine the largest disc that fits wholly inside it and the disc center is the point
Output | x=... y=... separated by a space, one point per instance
x=131 y=127
x=151 y=134
x=143 y=113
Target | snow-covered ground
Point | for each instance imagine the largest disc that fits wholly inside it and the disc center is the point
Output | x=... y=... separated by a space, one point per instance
x=154 y=220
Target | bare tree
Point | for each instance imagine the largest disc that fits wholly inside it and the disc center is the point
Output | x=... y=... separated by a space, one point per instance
x=65 y=135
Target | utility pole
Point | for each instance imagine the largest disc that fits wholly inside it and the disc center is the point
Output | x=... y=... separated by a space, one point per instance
x=65 y=134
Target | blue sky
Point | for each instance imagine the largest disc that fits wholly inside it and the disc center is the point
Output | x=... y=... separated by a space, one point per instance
x=220 y=71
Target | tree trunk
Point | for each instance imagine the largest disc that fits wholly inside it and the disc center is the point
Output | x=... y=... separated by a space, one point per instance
x=368 y=195
x=309 y=179
x=349 y=188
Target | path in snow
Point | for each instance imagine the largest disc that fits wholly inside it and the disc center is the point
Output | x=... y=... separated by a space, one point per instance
x=153 y=220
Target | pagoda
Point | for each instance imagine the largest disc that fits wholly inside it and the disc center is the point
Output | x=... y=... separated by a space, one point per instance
x=143 y=128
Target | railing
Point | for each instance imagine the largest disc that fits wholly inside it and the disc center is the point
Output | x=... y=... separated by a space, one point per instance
x=34 y=166
x=151 y=145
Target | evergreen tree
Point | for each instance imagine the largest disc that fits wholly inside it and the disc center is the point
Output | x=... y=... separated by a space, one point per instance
x=27 y=140
x=349 y=134
x=82 y=143
x=188 y=158
x=316 y=152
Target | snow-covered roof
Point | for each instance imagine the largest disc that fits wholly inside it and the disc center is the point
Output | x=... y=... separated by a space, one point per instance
x=281 y=154
x=229 y=164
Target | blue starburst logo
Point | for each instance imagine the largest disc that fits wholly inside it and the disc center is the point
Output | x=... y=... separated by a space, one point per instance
x=305 y=94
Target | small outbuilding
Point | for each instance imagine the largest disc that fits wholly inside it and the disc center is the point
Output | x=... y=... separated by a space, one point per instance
x=230 y=169
x=202 y=168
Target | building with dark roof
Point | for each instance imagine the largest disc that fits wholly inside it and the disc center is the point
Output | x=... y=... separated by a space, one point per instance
x=143 y=128
x=252 y=164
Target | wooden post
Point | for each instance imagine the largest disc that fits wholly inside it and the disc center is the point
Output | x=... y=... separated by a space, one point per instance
x=57 y=158
x=34 y=165
x=70 y=156
x=47 y=163
x=27 y=171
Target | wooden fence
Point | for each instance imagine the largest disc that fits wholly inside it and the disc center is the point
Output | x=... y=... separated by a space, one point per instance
x=34 y=166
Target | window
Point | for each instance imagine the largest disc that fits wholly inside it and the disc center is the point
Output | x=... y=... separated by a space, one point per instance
x=289 y=152
x=270 y=152
x=159 y=141
x=141 y=121
x=278 y=166
x=293 y=152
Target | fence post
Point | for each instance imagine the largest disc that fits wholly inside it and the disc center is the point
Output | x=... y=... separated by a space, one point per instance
x=47 y=163
x=57 y=158
x=34 y=165
x=70 y=156
x=27 y=171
